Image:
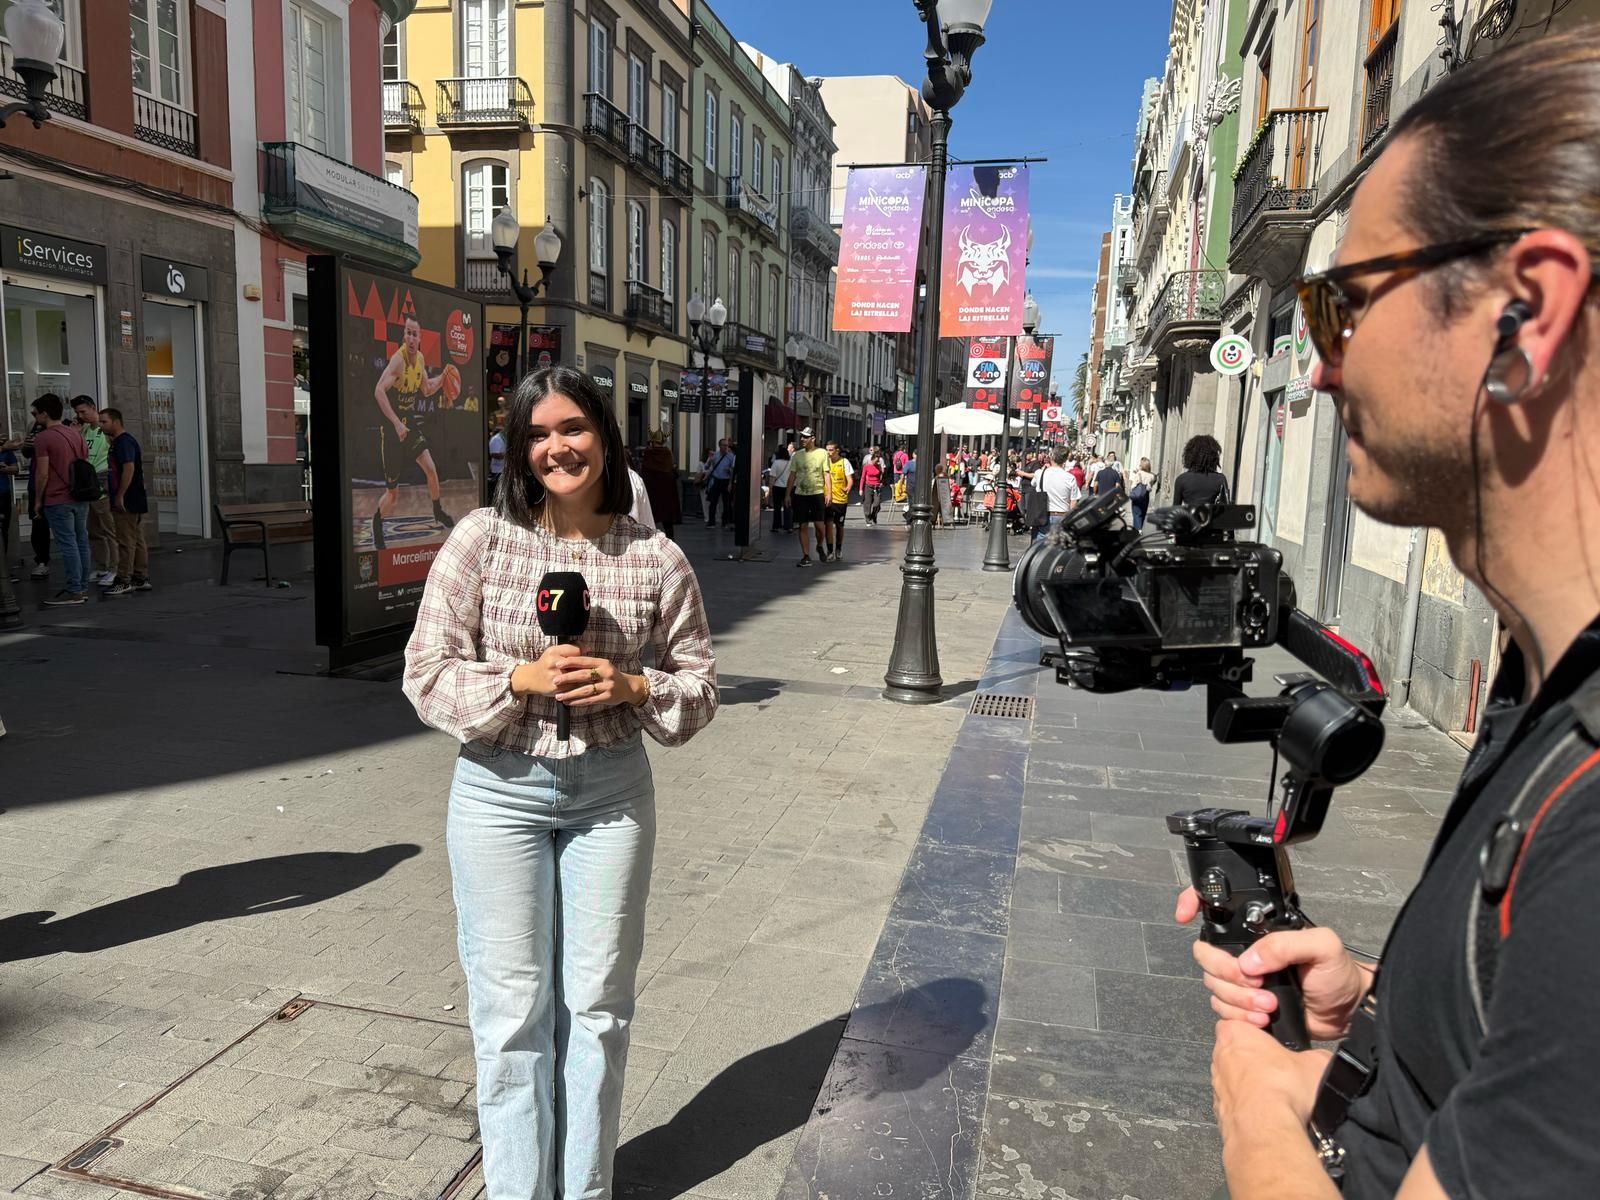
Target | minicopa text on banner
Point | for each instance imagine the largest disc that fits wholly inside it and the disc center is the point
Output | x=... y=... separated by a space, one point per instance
x=985 y=251
x=877 y=287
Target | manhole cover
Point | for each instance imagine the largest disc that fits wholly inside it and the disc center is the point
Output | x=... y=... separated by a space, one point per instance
x=996 y=704
x=320 y=1100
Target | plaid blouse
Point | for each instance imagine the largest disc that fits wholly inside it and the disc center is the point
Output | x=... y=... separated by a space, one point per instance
x=477 y=622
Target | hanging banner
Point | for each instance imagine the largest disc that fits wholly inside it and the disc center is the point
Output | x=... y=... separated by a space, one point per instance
x=1030 y=385
x=878 y=242
x=986 y=370
x=985 y=251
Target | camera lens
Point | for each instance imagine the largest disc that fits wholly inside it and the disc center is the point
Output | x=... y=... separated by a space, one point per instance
x=1030 y=572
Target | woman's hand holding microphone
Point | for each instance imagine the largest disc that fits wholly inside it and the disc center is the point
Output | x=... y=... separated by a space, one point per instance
x=578 y=680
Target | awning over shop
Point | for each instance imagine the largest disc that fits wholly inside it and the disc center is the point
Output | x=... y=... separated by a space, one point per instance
x=779 y=416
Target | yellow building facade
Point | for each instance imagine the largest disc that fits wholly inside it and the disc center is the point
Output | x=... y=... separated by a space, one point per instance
x=575 y=111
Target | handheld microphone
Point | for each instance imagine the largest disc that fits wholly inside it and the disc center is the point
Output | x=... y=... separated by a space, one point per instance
x=562 y=606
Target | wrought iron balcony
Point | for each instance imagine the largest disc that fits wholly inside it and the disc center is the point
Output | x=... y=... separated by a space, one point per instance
x=1380 y=87
x=751 y=204
x=484 y=278
x=821 y=358
x=651 y=306
x=645 y=149
x=1274 y=193
x=808 y=231
x=318 y=200
x=677 y=172
x=403 y=110
x=1150 y=222
x=498 y=102
x=164 y=125
x=747 y=344
x=1128 y=278
x=1188 y=307
x=606 y=124
x=65 y=94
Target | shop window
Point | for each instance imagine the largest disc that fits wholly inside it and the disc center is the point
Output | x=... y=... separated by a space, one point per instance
x=51 y=346
x=160 y=43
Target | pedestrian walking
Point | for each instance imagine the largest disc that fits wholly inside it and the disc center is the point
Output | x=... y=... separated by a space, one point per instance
x=871 y=485
x=497 y=453
x=1060 y=491
x=1141 y=487
x=1201 y=483
x=129 y=504
x=840 y=476
x=660 y=475
x=55 y=449
x=102 y=532
x=38 y=531
x=1108 y=478
x=901 y=488
x=808 y=470
x=909 y=479
x=719 y=484
x=550 y=840
x=778 y=483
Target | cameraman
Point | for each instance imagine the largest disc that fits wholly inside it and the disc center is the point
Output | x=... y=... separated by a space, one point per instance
x=1459 y=334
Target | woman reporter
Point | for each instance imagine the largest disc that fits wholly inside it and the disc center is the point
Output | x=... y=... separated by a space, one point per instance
x=550 y=841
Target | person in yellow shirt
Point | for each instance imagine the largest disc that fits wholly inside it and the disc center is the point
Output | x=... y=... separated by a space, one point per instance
x=402 y=393
x=808 y=498
x=840 y=476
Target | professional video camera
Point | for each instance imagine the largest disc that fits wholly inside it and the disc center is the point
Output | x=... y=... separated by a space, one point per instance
x=1180 y=606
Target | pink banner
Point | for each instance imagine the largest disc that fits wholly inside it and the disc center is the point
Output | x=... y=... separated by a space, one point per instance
x=877 y=285
x=985 y=251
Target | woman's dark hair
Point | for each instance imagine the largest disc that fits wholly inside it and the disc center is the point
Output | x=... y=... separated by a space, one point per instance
x=1202 y=453
x=782 y=451
x=1511 y=142
x=519 y=496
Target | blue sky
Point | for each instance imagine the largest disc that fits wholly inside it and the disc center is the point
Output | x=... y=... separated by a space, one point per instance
x=1056 y=78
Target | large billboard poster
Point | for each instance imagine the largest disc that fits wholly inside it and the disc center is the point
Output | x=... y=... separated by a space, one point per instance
x=401 y=399
x=878 y=244
x=984 y=251
x=987 y=362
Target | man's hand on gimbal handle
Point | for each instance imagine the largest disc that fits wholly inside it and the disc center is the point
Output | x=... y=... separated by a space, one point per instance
x=1331 y=980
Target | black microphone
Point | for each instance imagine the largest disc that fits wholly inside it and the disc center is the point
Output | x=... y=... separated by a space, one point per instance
x=562 y=605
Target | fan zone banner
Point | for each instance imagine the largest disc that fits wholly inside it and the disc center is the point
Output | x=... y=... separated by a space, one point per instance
x=984 y=252
x=878 y=243
x=988 y=359
x=1030 y=384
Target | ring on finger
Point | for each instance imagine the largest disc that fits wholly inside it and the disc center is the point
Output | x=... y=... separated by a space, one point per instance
x=594 y=675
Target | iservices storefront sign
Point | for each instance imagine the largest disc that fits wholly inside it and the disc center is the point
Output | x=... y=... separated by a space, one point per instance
x=48 y=254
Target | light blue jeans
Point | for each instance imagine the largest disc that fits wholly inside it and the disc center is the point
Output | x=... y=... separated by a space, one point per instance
x=69 y=525
x=550 y=868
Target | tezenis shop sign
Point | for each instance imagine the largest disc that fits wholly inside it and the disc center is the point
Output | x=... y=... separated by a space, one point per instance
x=47 y=254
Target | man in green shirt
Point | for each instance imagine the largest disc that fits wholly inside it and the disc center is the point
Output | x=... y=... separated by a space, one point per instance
x=102 y=532
x=808 y=472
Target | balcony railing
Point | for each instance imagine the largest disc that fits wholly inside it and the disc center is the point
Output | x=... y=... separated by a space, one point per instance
x=651 y=306
x=1150 y=220
x=65 y=95
x=484 y=278
x=1128 y=278
x=322 y=201
x=675 y=169
x=744 y=199
x=1380 y=86
x=164 y=125
x=1279 y=171
x=1186 y=298
x=821 y=356
x=749 y=344
x=402 y=106
x=503 y=100
x=599 y=289
x=810 y=232
x=645 y=149
x=605 y=121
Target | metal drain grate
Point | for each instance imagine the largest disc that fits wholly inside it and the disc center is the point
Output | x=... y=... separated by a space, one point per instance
x=997 y=704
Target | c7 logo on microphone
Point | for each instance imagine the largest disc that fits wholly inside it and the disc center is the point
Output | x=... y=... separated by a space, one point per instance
x=549 y=599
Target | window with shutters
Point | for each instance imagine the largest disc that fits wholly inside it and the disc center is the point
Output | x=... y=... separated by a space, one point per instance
x=599 y=59
x=636 y=248
x=755 y=292
x=307 y=65
x=599 y=233
x=735 y=146
x=708 y=265
x=756 y=177
x=486 y=189
x=669 y=261
x=735 y=268
x=160 y=44
x=392 y=71
x=774 y=316
x=485 y=39
x=775 y=190
x=638 y=91
x=669 y=117
x=711 y=132
x=394 y=173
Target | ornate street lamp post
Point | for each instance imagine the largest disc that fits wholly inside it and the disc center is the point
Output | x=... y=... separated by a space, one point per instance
x=504 y=233
x=955 y=31
x=705 y=326
x=997 y=555
x=795 y=353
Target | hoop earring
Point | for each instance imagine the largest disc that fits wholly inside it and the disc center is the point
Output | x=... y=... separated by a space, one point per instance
x=1502 y=384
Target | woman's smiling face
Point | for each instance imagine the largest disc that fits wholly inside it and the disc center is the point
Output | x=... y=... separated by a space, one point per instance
x=565 y=451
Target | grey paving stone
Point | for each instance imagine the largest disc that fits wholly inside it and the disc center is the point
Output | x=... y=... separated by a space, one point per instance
x=803 y=981
x=1034 y=1148
x=930 y=988
x=1100 y=860
x=1169 y=949
x=1133 y=831
x=1036 y=890
x=1153 y=1076
x=1117 y=898
x=844 y=928
x=1160 y=1006
x=957 y=887
x=1049 y=821
x=1048 y=993
x=1075 y=939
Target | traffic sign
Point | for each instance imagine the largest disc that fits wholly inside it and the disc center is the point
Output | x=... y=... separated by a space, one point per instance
x=1231 y=354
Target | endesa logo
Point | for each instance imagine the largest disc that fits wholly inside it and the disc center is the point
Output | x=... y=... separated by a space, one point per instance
x=986 y=372
x=549 y=599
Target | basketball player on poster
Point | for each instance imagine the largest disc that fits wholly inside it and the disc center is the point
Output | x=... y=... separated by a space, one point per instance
x=406 y=434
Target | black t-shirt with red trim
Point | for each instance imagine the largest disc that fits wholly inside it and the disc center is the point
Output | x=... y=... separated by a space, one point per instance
x=1514 y=1114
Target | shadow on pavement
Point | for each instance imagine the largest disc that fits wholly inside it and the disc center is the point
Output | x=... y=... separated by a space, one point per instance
x=199 y=897
x=771 y=1092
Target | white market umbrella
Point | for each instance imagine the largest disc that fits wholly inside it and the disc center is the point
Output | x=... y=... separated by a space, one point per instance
x=956 y=419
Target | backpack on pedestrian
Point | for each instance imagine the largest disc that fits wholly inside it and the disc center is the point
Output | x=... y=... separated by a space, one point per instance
x=83 y=484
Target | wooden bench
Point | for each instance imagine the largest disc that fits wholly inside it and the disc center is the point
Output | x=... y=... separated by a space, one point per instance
x=259 y=526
